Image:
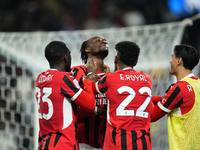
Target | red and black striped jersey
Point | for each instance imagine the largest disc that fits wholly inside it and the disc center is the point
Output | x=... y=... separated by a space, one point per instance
x=55 y=91
x=129 y=94
x=179 y=95
x=91 y=127
x=121 y=139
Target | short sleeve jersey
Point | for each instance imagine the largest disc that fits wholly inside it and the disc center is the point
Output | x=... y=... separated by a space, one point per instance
x=178 y=98
x=129 y=93
x=54 y=92
x=184 y=130
x=91 y=128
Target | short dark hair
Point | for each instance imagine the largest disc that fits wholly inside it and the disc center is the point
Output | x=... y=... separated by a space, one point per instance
x=55 y=51
x=84 y=55
x=189 y=55
x=128 y=52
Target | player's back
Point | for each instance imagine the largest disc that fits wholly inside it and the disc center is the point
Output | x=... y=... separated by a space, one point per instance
x=56 y=118
x=129 y=93
x=128 y=119
x=51 y=112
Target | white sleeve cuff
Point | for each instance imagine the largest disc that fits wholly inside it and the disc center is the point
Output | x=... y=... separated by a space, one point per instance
x=163 y=108
x=76 y=95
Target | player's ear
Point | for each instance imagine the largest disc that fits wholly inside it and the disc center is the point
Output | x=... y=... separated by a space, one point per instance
x=87 y=50
x=65 y=58
x=116 y=59
x=115 y=62
x=179 y=61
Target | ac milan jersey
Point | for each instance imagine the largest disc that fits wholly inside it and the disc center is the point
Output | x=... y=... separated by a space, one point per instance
x=91 y=127
x=129 y=93
x=184 y=131
x=54 y=92
x=179 y=97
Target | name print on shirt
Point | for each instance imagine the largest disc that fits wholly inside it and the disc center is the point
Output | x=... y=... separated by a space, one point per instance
x=133 y=77
x=45 y=78
x=189 y=88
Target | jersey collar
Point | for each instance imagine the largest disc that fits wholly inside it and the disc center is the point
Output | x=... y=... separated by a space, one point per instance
x=52 y=69
x=188 y=76
x=127 y=68
x=100 y=73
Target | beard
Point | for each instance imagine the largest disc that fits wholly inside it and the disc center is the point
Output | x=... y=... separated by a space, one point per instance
x=103 y=53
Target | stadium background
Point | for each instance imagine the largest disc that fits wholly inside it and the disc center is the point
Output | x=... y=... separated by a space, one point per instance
x=27 y=26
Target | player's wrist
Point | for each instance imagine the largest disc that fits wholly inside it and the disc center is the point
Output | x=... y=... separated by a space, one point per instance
x=89 y=73
x=95 y=111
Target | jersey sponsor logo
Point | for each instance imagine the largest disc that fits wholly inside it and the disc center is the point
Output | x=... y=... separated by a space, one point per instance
x=43 y=78
x=101 y=99
x=133 y=77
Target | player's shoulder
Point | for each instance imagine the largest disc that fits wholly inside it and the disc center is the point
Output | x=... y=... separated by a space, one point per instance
x=78 y=71
x=181 y=83
x=177 y=86
x=48 y=73
x=52 y=75
x=147 y=76
x=78 y=67
x=112 y=74
x=62 y=74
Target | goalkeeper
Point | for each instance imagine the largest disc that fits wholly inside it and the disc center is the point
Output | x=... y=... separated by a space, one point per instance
x=181 y=102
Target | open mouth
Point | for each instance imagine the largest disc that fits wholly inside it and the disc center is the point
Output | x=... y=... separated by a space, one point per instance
x=105 y=46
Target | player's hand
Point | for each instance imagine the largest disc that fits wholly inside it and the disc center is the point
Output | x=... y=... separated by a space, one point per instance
x=92 y=76
x=102 y=111
x=106 y=69
x=91 y=66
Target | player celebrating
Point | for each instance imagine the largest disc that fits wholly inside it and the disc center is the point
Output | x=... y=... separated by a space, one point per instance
x=129 y=95
x=181 y=101
x=55 y=91
x=91 y=127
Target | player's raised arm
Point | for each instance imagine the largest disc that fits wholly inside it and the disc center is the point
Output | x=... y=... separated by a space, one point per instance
x=86 y=98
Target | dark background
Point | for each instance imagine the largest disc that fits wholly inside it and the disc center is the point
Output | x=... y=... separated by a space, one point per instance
x=61 y=15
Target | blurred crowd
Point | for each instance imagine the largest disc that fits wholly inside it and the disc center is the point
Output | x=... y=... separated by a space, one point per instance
x=57 y=15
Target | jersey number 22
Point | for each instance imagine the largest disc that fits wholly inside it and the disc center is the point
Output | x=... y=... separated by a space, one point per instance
x=120 y=111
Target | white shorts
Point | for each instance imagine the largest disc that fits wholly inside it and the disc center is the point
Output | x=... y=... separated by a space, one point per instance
x=84 y=146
